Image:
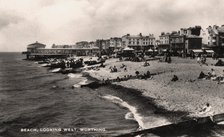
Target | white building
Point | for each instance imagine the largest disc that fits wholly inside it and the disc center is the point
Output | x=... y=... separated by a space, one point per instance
x=138 y=42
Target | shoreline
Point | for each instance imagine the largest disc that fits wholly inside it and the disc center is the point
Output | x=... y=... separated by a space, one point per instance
x=141 y=104
x=185 y=96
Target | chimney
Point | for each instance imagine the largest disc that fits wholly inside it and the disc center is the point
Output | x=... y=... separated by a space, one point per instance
x=189 y=31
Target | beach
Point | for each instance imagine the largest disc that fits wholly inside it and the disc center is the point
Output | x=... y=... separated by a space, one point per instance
x=188 y=94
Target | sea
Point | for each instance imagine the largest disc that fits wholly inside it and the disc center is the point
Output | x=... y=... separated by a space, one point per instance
x=37 y=103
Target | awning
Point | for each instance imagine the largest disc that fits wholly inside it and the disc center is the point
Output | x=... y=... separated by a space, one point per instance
x=128 y=49
x=197 y=50
x=209 y=51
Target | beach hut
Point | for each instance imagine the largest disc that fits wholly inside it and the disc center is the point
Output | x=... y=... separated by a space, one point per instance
x=197 y=51
x=128 y=52
x=128 y=49
x=150 y=50
x=209 y=52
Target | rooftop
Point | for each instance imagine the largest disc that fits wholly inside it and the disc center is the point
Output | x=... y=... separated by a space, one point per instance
x=139 y=35
x=36 y=45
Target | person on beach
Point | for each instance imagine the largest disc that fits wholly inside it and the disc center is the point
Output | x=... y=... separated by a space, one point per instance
x=221 y=78
x=125 y=69
x=146 y=64
x=148 y=74
x=198 y=60
x=202 y=75
x=204 y=111
x=212 y=75
x=175 y=78
x=137 y=73
x=115 y=69
x=123 y=66
x=205 y=108
x=207 y=111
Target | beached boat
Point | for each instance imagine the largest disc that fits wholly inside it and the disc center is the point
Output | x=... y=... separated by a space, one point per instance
x=56 y=70
x=181 y=127
x=45 y=65
x=93 y=62
x=43 y=62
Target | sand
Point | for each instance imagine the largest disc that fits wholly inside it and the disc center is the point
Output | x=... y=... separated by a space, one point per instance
x=188 y=94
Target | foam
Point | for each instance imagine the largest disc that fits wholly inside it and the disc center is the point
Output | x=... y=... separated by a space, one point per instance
x=132 y=109
x=71 y=75
x=55 y=70
x=129 y=116
x=44 y=65
x=76 y=86
x=83 y=82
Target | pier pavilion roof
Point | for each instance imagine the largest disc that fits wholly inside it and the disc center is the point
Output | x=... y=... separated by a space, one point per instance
x=36 y=45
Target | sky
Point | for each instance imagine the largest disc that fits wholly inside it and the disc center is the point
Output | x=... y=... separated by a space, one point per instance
x=23 y=22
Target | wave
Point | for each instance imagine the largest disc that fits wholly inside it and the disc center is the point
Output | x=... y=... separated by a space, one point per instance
x=83 y=82
x=39 y=76
x=76 y=86
x=71 y=75
x=129 y=116
x=133 y=114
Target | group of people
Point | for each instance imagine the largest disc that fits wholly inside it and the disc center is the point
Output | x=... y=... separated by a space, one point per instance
x=212 y=76
x=66 y=63
x=166 y=58
x=202 y=59
x=203 y=111
x=127 y=77
x=118 y=79
x=146 y=64
x=143 y=76
x=114 y=68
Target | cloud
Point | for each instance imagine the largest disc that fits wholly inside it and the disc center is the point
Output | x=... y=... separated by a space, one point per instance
x=6 y=19
x=68 y=21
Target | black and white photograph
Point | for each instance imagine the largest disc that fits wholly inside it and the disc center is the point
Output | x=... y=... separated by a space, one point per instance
x=111 y=68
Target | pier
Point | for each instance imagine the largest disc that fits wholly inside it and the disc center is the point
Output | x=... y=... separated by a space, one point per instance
x=38 y=51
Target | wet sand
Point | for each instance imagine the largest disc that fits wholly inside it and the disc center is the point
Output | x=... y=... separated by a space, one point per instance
x=188 y=94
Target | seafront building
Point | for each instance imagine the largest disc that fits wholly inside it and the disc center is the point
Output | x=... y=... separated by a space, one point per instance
x=216 y=39
x=185 y=40
x=138 y=42
x=61 y=46
x=115 y=44
x=82 y=44
x=103 y=45
x=164 y=39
